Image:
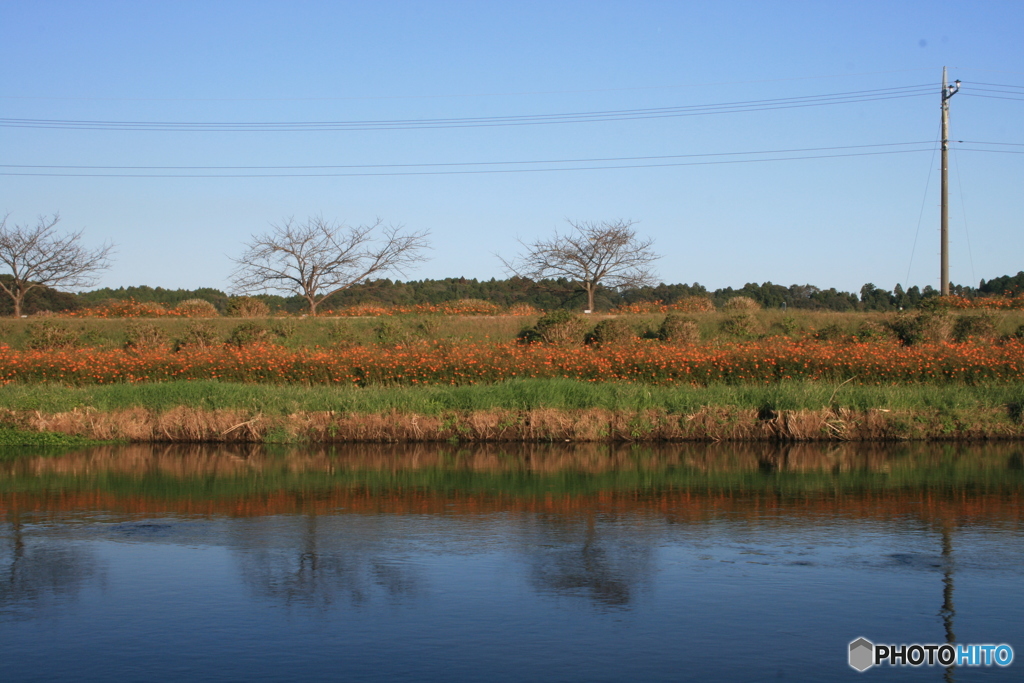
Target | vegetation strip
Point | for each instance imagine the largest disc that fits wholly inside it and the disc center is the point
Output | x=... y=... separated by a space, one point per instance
x=525 y=410
x=773 y=360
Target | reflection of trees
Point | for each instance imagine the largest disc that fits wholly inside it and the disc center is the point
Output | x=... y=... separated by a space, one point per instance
x=35 y=573
x=588 y=558
x=310 y=561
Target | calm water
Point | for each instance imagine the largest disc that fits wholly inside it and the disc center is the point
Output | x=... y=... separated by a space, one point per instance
x=504 y=564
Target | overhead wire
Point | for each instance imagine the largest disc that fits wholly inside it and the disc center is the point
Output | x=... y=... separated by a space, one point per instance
x=476 y=122
x=462 y=95
x=456 y=171
x=470 y=163
x=963 y=210
x=924 y=199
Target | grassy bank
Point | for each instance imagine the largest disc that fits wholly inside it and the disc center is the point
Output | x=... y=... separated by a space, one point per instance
x=556 y=394
x=524 y=410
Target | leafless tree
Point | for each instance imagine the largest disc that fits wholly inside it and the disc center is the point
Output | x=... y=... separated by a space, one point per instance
x=36 y=256
x=318 y=258
x=608 y=253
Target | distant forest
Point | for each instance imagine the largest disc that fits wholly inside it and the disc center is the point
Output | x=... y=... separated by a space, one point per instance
x=545 y=294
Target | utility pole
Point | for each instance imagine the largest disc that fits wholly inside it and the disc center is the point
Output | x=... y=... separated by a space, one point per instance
x=947 y=92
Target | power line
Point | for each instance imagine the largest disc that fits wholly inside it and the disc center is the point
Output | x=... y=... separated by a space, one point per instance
x=455 y=95
x=994 y=97
x=476 y=122
x=457 y=171
x=466 y=163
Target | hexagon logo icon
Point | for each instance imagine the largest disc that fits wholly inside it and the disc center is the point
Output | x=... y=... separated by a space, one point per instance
x=862 y=654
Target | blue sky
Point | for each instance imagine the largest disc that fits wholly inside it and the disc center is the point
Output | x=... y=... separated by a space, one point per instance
x=839 y=221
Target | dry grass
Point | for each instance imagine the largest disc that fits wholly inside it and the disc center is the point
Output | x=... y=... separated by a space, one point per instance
x=723 y=423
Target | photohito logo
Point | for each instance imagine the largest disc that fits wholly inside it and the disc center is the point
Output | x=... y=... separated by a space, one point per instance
x=864 y=654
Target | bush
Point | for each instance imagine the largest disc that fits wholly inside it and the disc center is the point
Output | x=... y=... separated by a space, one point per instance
x=830 y=332
x=612 y=331
x=197 y=336
x=247 y=334
x=562 y=327
x=48 y=335
x=197 y=308
x=342 y=333
x=925 y=326
x=676 y=329
x=144 y=337
x=741 y=303
x=247 y=307
x=980 y=326
x=787 y=326
x=742 y=325
x=871 y=331
x=529 y=335
x=389 y=332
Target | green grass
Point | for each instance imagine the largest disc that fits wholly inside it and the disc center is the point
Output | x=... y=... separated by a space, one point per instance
x=18 y=437
x=514 y=395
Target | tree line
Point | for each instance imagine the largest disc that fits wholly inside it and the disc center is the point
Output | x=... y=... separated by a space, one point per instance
x=321 y=264
x=551 y=294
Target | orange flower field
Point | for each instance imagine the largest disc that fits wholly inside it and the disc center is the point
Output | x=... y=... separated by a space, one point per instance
x=759 y=362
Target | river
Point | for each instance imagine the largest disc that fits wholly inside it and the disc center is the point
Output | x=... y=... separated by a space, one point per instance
x=505 y=563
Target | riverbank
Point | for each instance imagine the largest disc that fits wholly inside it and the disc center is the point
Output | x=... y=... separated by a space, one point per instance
x=516 y=411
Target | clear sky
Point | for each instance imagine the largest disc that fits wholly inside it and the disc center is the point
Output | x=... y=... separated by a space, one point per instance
x=839 y=221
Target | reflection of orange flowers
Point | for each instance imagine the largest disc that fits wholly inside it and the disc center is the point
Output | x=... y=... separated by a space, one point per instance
x=762 y=361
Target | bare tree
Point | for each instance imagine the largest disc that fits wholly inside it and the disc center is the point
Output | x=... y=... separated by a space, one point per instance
x=36 y=256
x=318 y=258
x=607 y=253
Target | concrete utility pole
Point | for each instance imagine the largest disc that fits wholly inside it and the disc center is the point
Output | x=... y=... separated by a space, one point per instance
x=947 y=92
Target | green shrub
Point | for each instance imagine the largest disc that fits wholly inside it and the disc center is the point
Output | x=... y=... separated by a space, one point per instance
x=48 y=335
x=428 y=326
x=743 y=325
x=247 y=307
x=562 y=327
x=529 y=335
x=677 y=329
x=612 y=331
x=830 y=332
x=872 y=331
x=980 y=326
x=343 y=333
x=197 y=336
x=924 y=326
x=389 y=331
x=142 y=336
x=788 y=325
x=197 y=308
x=247 y=334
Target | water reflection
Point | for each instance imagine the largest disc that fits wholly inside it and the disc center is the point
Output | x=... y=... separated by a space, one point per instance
x=637 y=553
x=37 y=573
x=303 y=561
x=602 y=561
